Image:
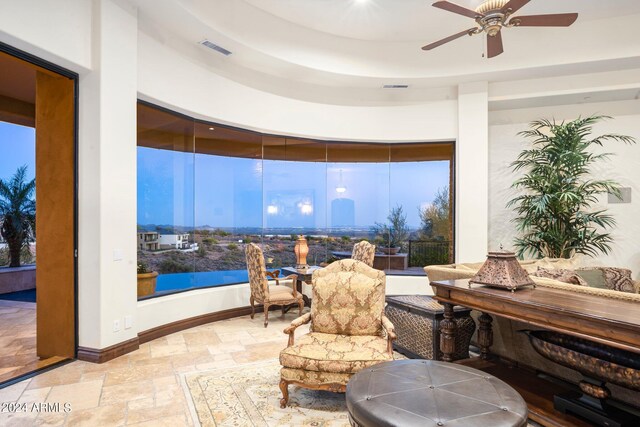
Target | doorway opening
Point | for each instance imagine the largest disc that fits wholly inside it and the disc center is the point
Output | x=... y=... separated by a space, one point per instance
x=37 y=215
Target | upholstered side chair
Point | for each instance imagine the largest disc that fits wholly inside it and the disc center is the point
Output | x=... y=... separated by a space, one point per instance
x=365 y=252
x=348 y=330
x=265 y=285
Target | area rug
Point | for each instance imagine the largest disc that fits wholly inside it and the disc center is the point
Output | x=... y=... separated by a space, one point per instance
x=250 y=396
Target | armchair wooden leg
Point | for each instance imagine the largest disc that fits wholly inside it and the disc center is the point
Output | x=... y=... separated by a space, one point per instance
x=300 y=307
x=253 y=309
x=266 y=315
x=283 y=307
x=284 y=388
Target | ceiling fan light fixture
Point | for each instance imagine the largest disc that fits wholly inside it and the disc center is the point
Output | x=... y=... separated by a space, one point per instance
x=491 y=5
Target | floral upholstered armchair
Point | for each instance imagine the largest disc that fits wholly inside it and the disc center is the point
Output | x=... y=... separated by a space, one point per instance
x=348 y=331
x=365 y=252
x=262 y=292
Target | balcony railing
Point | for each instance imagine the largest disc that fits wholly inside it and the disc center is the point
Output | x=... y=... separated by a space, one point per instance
x=429 y=252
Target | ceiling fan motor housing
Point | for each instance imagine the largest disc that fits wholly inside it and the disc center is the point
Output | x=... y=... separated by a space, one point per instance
x=493 y=17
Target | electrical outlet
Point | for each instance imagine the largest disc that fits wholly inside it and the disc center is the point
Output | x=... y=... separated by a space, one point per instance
x=116 y=325
x=117 y=255
x=128 y=321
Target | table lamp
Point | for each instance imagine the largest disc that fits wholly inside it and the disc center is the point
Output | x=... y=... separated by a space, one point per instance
x=301 y=250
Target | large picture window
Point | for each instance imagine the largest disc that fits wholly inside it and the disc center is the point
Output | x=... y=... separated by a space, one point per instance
x=206 y=190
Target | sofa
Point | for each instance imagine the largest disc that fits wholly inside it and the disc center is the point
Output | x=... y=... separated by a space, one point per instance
x=510 y=344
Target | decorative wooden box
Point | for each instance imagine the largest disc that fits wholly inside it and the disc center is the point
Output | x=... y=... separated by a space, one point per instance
x=416 y=319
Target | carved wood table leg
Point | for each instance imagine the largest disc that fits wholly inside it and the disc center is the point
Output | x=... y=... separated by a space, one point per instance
x=448 y=328
x=485 y=335
x=299 y=287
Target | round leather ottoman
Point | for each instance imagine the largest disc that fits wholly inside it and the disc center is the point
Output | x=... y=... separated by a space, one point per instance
x=430 y=393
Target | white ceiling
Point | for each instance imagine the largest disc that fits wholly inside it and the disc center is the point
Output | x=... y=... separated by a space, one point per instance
x=404 y=20
x=344 y=50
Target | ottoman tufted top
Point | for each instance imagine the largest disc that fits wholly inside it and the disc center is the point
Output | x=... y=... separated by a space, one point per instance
x=430 y=393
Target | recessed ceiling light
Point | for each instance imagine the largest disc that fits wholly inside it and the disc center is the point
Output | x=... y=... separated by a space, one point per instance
x=212 y=128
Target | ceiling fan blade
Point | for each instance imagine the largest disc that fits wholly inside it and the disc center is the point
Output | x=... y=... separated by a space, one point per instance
x=515 y=5
x=445 y=5
x=448 y=39
x=494 y=45
x=557 y=20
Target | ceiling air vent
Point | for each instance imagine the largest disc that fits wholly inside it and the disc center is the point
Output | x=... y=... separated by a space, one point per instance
x=215 y=47
x=395 y=87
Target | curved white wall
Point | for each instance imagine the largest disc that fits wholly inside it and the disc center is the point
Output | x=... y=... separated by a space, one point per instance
x=160 y=311
x=168 y=79
x=173 y=81
x=100 y=39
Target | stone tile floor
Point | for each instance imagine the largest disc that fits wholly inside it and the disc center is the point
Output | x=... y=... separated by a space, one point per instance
x=18 y=340
x=17 y=335
x=143 y=388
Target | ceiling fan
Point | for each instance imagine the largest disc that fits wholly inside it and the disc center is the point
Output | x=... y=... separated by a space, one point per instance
x=494 y=15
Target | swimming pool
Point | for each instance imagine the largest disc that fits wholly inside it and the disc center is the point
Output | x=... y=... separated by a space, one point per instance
x=181 y=281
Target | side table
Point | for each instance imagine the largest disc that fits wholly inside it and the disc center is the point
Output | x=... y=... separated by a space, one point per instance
x=304 y=276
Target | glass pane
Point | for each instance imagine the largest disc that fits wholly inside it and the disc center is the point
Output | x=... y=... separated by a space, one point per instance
x=205 y=191
x=18 y=148
x=357 y=197
x=166 y=198
x=421 y=189
x=294 y=201
x=228 y=202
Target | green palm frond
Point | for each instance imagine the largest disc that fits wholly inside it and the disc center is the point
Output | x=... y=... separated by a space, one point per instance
x=555 y=213
x=17 y=213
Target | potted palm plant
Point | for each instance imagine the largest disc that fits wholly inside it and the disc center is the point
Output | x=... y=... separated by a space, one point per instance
x=146 y=280
x=390 y=237
x=17 y=213
x=556 y=213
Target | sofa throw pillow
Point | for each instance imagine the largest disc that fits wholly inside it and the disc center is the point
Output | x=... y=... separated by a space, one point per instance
x=593 y=276
x=561 y=275
x=619 y=279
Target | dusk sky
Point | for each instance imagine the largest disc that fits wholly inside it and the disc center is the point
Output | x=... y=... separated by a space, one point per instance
x=234 y=192
x=17 y=148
